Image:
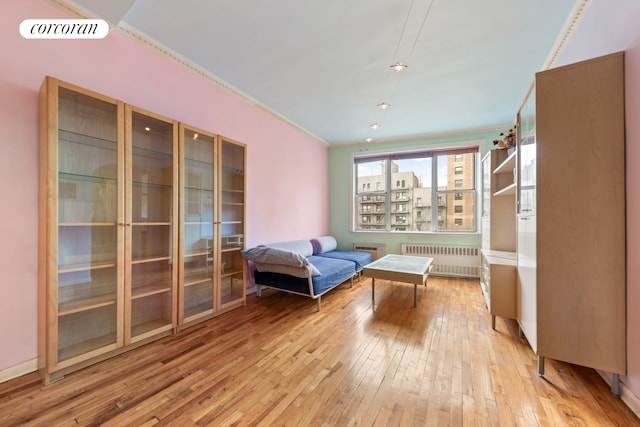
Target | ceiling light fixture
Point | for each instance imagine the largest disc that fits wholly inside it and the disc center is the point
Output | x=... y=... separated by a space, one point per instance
x=398 y=66
x=383 y=105
x=369 y=139
x=374 y=125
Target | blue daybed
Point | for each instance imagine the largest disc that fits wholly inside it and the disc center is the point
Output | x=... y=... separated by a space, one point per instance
x=303 y=267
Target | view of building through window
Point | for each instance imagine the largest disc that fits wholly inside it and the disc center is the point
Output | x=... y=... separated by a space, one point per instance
x=398 y=193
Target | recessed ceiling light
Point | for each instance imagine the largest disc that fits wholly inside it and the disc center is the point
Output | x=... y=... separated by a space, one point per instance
x=374 y=125
x=383 y=105
x=147 y=128
x=398 y=66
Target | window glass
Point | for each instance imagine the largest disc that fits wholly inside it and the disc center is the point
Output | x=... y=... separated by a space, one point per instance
x=427 y=192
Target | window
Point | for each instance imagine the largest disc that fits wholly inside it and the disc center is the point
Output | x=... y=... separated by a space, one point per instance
x=416 y=191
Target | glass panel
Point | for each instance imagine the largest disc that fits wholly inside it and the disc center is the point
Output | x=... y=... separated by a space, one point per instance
x=486 y=186
x=232 y=167
x=86 y=246
x=151 y=229
x=87 y=217
x=231 y=288
x=232 y=235
x=411 y=194
x=150 y=277
x=150 y=312
x=198 y=236
x=84 y=289
x=527 y=156
x=151 y=202
x=232 y=208
x=448 y=176
x=456 y=192
x=86 y=330
x=150 y=242
x=198 y=298
x=371 y=187
x=232 y=283
x=457 y=211
x=86 y=199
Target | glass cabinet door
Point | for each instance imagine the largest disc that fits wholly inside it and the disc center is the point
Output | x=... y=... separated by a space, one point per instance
x=232 y=221
x=197 y=219
x=151 y=234
x=88 y=236
x=527 y=156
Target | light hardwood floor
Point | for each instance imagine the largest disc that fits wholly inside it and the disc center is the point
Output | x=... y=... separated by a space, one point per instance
x=279 y=362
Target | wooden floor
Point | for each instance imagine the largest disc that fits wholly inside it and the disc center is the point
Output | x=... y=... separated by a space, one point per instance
x=279 y=362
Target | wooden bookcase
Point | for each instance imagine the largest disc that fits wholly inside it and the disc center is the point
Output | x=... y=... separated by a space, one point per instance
x=121 y=200
x=212 y=221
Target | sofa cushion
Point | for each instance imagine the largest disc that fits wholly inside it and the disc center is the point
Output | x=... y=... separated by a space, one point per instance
x=359 y=258
x=323 y=244
x=334 y=272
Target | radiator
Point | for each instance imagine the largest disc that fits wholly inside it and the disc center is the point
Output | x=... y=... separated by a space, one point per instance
x=448 y=260
x=377 y=250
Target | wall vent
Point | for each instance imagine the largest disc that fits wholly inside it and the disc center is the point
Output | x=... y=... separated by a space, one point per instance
x=377 y=250
x=448 y=260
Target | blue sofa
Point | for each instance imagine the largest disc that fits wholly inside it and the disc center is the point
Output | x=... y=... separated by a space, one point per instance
x=303 y=267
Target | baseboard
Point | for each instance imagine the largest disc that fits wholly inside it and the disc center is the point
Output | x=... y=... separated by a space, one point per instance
x=19 y=370
x=630 y=399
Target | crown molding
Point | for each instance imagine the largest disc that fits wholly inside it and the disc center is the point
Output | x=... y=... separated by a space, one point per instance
x=129 y=31
x=567 y=31
x=426 y=136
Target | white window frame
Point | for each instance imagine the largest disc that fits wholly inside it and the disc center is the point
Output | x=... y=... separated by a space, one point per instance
x=475 y=144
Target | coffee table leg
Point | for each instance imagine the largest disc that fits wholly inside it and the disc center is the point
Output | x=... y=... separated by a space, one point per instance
x=373 y=293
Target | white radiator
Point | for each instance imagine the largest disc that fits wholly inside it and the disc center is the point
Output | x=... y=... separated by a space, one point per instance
x=377 y=250
x=448 y=260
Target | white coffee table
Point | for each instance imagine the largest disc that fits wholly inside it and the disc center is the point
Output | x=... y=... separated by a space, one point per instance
x=399 y=268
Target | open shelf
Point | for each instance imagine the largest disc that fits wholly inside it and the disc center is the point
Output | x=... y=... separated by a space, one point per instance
x=507 y=166
x=509 y=190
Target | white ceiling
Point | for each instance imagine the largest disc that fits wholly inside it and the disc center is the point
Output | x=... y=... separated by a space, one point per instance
x=324 y=65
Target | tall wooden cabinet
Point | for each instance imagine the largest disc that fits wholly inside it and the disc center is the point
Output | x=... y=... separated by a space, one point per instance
x=134 y=236
x=212 y=277
x=571 y=218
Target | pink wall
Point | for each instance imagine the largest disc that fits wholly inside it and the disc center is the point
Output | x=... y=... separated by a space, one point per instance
x=287 y=169
x=610 y=26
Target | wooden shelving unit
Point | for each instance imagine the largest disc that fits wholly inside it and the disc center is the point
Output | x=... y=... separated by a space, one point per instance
x=498 y=274
x=141 y=227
